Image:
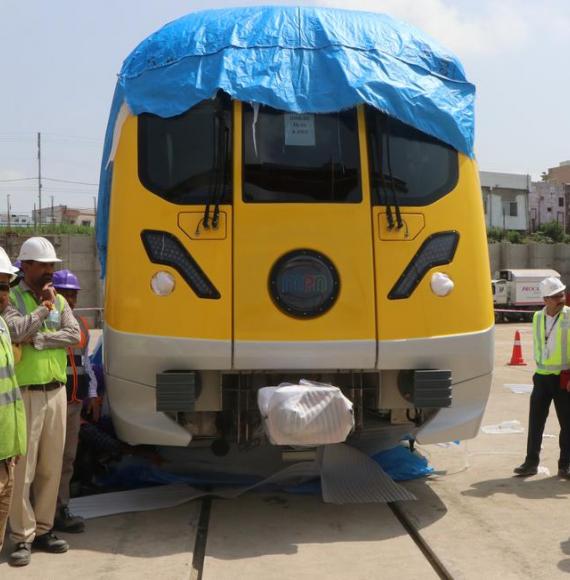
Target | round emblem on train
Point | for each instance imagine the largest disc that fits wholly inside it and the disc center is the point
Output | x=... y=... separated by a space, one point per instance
x=304 y=283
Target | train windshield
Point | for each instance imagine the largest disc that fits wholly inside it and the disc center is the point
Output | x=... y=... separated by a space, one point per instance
x=300 y=158
x=417 y=168
x=187 y=159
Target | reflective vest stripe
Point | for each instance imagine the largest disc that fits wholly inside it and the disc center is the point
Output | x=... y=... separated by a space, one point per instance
x=20 y=304
x=537 y=336
x=7 y=372
x=10 y=397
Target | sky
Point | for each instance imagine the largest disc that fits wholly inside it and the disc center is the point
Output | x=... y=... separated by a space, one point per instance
x=59 y=61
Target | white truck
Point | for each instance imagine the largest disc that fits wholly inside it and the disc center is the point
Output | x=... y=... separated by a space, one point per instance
x=516 y=293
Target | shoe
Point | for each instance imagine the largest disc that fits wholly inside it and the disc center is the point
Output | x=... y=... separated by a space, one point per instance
x=65 y=521
x=526 y=469
x=564 y=472
x=50 y=543
x=22 y=555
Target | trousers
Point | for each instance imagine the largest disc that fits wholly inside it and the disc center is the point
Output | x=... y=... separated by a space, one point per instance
x=546 y=388
x=6 y=486
x=69 y=452
x=37 y=475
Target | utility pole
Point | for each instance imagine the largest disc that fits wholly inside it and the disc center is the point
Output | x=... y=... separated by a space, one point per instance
x=35 y=217
x=9 y=211
x=94 y=210
x=40 y=176
x=52 y=211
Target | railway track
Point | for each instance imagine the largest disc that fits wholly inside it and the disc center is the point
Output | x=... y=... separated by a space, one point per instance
x=398 y=517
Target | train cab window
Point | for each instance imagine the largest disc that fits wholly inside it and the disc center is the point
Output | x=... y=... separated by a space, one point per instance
x=290 y=158
x=187 y=159
x=415 y=167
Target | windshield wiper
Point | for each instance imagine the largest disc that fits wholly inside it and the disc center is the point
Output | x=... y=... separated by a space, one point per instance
x=224 y=172
x=379 y=178
x=399 y=222
x=215 y=175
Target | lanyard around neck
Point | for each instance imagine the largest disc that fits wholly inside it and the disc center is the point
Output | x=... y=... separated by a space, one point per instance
x=547 y=334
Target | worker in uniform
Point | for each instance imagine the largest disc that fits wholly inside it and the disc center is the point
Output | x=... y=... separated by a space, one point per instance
x=43 y=324
x=12 y=413
x=550 y=330
x=81 y=386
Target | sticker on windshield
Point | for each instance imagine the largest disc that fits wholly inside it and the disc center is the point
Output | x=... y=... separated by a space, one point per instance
x=299 y=130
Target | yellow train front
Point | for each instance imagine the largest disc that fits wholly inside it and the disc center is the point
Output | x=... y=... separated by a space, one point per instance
x=249 y=246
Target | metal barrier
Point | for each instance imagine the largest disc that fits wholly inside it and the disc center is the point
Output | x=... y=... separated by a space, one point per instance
x=505 y=314
x=95 y=313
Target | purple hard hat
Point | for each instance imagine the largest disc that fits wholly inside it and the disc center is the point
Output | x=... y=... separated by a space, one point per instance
x=66 y=280
x=17 y=264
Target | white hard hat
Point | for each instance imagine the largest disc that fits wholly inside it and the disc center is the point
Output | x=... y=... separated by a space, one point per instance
x=550 y=286
x=38 y=250
x=5 y=264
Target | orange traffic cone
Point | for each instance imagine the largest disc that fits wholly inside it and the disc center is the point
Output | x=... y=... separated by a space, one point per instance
x=517 y=357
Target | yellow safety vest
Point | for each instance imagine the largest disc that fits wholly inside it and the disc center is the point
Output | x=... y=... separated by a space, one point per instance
x=12 y=412
x=559 y=358
x=39 y=367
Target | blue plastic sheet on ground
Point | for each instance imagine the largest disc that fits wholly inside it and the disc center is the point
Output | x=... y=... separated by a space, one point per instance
x=297 y=59
x=399 y=463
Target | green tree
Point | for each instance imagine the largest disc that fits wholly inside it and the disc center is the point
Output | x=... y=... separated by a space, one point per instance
x=553 y=230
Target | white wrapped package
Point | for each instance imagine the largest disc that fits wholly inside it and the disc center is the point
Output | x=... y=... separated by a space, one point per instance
x=305 y=414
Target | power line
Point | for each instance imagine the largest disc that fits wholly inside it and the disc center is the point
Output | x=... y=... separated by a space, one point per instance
x=69 y=181
x=24 y=135
x=48 y=179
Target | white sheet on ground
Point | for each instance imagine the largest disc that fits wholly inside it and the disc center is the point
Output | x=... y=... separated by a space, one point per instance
x=347 y=476
x=519 y=389
x=503 y=428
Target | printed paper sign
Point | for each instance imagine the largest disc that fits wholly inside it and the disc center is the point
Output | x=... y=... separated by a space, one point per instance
x=299 y=130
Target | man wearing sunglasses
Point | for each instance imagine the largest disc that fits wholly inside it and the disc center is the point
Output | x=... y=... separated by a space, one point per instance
x=43 y=323
x=550 y=330
x=12 y=412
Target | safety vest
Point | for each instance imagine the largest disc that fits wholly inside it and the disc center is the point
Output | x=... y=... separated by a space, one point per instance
x=12 y=412
x=39 y=367
x=559 y=359
x=77 y=379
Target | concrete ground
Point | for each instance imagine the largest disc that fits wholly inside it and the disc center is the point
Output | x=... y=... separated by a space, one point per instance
x=480 y=520
x=496 y=525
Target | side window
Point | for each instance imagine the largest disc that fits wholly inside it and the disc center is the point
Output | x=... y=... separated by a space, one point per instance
x=187 y=159
x=417 y=168
x=307 y=158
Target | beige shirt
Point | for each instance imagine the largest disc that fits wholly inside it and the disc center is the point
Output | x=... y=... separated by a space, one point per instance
x=23 y=328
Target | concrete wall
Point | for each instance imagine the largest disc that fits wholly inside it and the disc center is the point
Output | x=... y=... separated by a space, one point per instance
x=505 y=255
x=79 y=255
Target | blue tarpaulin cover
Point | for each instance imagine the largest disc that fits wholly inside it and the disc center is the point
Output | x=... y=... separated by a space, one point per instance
x=297 y=59
x=399 y=463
